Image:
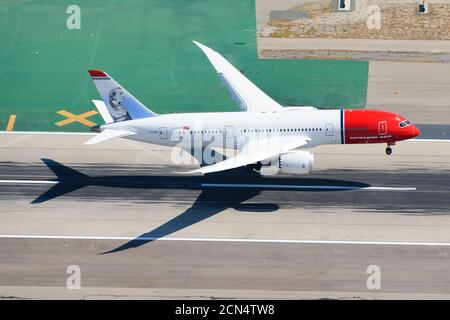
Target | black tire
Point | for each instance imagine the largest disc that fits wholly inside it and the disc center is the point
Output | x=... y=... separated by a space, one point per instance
x=388 y=150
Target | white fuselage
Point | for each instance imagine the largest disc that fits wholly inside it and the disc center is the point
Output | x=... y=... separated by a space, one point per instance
x=233 y=129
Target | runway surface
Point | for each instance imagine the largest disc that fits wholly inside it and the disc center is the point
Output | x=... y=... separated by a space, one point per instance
x=360 y=190
x=225 y=235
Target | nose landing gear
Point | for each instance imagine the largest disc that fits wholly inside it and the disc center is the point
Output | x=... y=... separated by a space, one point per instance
x=388 y=148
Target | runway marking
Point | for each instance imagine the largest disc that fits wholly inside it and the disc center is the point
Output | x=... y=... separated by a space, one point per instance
x=283 y=186
x=391 y=188
x=244 y=185
x=241 y=240
x=428 y=140
x=28 y=182
x=11 y=121
x=81 y=118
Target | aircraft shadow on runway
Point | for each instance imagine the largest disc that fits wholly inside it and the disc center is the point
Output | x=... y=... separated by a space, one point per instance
x=212 y=199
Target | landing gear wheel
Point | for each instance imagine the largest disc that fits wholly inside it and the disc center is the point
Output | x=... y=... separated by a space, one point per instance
x=252 y=167
x=388 y=150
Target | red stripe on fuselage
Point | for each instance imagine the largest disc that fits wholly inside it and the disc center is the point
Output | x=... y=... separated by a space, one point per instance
x=371 y=126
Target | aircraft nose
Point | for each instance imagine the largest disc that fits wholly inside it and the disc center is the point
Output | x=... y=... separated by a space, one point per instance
x=415 y=131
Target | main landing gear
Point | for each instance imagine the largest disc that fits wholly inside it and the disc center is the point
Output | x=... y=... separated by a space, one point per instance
x=256 y=166
x=388 y=148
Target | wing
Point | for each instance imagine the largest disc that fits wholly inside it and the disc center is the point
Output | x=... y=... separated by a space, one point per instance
x=254 y=151
x=108 y=134
x=248 y=96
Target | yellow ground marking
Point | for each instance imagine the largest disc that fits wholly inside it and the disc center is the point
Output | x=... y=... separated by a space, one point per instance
x=11 y=121
x=81 y=118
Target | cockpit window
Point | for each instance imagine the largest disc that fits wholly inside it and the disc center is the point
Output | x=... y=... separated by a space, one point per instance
x=405 y=123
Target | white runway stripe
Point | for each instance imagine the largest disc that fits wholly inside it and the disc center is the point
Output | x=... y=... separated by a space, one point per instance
x=428 y=140
x=391 y=188
x=293 y=241
x=28 y=182
x=316 y=187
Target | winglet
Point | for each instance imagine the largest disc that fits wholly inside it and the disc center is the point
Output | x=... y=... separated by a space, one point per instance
x=214 y=57
x=201 y=46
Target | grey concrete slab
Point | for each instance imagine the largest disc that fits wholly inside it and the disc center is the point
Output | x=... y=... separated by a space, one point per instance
x=418 y=91
x=434 y=131
x=139 y=195
x=227 y=266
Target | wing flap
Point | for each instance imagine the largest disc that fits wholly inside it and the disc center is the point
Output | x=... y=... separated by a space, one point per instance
x=109 y=134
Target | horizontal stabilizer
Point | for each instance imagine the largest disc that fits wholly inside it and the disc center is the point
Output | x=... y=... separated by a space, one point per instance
x=108 y=134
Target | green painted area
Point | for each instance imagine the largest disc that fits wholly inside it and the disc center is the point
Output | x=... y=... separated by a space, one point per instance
x=146 y=46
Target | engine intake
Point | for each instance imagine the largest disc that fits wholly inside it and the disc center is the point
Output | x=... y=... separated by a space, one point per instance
x=296 y=162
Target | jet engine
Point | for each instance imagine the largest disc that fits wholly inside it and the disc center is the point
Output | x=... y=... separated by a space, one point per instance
x=296 y=162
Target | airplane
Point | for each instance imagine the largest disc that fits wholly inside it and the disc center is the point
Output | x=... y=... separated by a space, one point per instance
x=264 y=132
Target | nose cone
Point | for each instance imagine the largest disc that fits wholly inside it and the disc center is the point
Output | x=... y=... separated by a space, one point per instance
x=415 y=131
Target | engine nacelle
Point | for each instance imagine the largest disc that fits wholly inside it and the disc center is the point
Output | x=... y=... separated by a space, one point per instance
x=296 y=162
